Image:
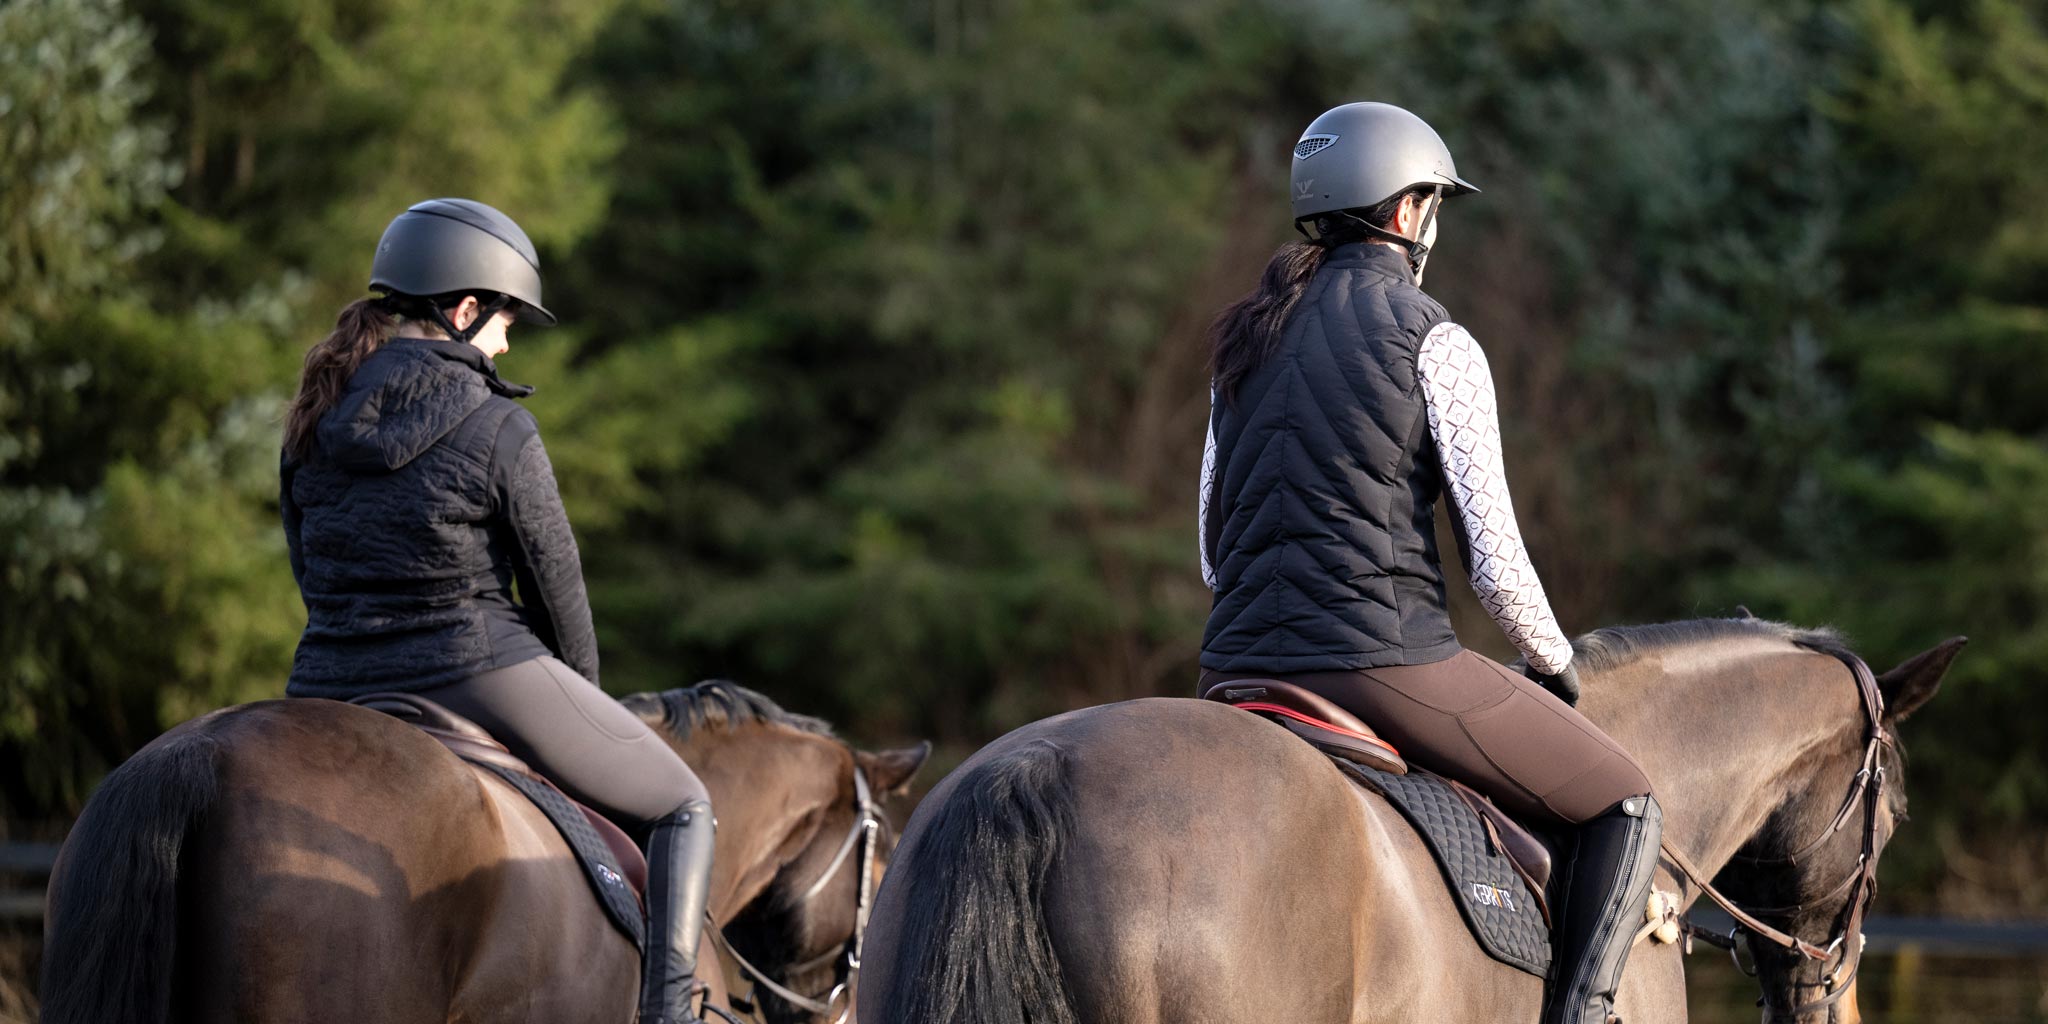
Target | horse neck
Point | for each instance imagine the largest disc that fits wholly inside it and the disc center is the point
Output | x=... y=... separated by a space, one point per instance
x=771 y=786
x=1726 y=732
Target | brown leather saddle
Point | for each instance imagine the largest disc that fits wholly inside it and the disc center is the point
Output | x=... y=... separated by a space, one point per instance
x=1340 y=734
x=468 y=741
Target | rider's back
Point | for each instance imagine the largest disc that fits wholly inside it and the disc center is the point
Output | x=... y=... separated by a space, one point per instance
x=398 y=543
x=1321 y=525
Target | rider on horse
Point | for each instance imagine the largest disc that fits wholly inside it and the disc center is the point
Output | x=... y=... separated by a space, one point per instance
x=415 y=492
x=1344 y=402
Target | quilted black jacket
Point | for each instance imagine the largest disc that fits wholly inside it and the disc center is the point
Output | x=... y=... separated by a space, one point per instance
x=426 y=496
x=1321 y=523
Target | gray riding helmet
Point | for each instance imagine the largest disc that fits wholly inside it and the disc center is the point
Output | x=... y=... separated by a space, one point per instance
x=454 y=245
x=1359 y=155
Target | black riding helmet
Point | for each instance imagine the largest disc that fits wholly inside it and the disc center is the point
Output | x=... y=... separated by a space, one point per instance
x=1356 y=156
x=454 y=247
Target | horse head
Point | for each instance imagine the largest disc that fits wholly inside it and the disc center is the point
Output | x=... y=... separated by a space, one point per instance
x=793 y=904
x=1786 y=783
x=1814 y=865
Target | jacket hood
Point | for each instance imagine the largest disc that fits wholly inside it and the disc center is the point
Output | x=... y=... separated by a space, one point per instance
x=406 y=396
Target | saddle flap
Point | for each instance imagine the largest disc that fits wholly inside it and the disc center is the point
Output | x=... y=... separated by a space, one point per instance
x=475 y=745
x=1528 y=855
x=1327 y=727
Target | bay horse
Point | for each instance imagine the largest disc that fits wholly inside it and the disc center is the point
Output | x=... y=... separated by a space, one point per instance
x=1177 y=860
x=309 y=860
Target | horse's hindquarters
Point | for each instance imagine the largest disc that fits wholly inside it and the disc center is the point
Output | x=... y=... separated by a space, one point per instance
x=354 y=870
x=1205 y=865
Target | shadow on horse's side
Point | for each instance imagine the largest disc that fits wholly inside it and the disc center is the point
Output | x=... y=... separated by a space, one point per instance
x=1175 y=860
x=309 y=860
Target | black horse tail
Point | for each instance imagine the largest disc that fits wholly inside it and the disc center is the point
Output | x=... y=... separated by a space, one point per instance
x=111 y=925
x=973 y=947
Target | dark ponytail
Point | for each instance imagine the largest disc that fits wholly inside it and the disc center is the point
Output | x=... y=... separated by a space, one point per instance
x=1246 y=333
x=362 y=328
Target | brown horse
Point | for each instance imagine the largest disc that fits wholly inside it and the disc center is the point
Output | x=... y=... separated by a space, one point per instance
x=307 y=860
x=1181 y=861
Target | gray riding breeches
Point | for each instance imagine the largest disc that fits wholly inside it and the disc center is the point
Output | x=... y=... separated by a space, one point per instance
x=579 y=737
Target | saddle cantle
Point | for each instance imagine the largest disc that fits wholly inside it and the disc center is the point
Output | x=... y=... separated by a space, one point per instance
x=1482 y=851
x=1327 y=727
x=610 y=859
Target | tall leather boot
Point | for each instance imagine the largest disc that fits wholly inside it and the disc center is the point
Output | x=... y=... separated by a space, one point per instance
x=1603 y=903
x=678 y=887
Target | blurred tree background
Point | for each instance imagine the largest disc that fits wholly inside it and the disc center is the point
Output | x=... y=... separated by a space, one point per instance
x=882 y=383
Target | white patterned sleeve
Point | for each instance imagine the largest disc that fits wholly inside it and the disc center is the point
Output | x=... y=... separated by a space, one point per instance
x=1202 y=504
x=1464 y=418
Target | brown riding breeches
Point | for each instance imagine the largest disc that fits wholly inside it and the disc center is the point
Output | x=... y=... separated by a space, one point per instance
x=1471 y=719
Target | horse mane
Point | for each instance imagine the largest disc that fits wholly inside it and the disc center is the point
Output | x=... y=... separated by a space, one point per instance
x=718 y=704
x=1615 y=647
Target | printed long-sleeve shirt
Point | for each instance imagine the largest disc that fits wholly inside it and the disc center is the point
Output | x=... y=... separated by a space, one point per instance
x=1464 y=418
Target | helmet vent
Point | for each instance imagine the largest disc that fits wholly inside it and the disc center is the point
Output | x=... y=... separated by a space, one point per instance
x=1310 y=145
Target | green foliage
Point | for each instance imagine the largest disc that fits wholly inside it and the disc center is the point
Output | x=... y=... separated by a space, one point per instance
x=306 y=126
x=152 y=316
x=963 y=236
x=1938 y=491
x=79 y=165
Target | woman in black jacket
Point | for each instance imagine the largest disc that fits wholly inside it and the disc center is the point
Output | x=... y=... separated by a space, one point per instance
x=416 y=495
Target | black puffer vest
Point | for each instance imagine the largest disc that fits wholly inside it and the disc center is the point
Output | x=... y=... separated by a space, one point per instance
x=1321 y=524
x=399 y=535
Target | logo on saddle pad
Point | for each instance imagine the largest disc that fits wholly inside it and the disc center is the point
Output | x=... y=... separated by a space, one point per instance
x=610 y=877
x=1493 y=896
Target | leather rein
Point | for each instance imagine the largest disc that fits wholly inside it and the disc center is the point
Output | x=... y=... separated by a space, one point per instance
x=866 y=831
x=1866 y=791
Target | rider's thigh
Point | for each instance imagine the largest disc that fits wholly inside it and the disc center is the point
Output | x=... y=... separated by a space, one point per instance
x=578 y=736
x=1573 y=767
x=1469 y=718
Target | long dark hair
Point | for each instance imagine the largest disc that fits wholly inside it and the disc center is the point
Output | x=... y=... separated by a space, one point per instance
x=362 y=328
x=1247 y=332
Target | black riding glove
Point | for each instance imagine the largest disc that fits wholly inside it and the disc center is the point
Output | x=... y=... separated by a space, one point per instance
x=1564 y=685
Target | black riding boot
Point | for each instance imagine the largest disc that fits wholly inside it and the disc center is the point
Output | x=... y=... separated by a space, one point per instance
x=1603 y=904
x=678 y=886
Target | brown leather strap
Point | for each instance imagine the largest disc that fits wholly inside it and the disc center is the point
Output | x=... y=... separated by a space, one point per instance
x=1744 y=918
x=1867 y=791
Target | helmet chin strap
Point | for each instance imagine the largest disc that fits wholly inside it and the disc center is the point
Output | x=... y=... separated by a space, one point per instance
x=484 y=314
x=1417 y=249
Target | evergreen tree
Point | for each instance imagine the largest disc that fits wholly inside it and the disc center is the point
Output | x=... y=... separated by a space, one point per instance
x=959 y=262
x=156 y=312
x=1939 y=482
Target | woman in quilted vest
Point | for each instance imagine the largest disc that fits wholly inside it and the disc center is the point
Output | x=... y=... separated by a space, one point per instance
x=416 y=496
x=1345 y=402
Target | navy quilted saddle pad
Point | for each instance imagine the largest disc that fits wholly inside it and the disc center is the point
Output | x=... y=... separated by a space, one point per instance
x=600 y=865
x=1493 y=899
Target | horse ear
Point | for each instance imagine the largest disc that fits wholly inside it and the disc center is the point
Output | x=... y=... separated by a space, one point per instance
x=1913 y=683
x=890 y=771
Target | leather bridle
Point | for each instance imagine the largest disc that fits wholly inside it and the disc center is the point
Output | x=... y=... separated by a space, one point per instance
x=866 y=833
x=1867 y=791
